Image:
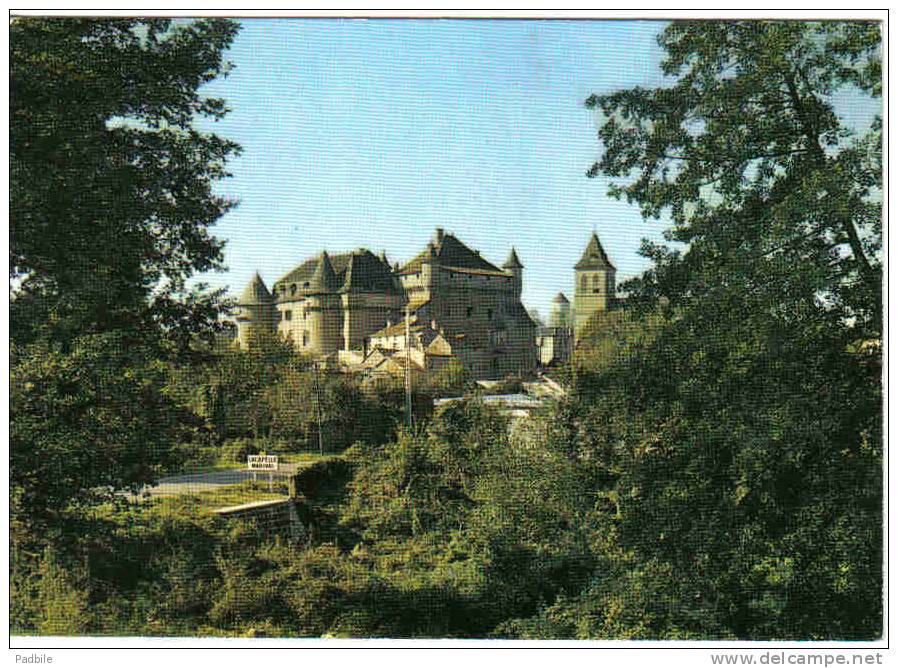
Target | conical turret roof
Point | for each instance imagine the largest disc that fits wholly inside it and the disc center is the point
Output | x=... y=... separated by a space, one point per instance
x=512 y=262
x=594 y=256
x=255 y=293
x=325 y=278
x=560 y=299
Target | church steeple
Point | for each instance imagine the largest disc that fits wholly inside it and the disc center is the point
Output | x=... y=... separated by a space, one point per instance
x=594 y=283
x=594 y=256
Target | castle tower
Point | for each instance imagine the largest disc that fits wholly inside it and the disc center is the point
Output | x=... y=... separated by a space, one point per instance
x=255 y=310
x=594 y=283
x=561 y=311
x=324 y=324
x=514 y=267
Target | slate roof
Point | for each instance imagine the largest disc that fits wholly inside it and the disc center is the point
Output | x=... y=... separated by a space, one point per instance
x=358 y=271
x=365 y=272
x=448 y=251
x=517 y=310
x=304 y=271
x=255 y=293
x=324 y=279
x=513 y=262
x=560 y=299
x=594 y=256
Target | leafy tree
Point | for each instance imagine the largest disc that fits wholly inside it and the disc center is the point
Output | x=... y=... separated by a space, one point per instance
x=110 y=184
x=110 y=207
x=452 y=379
x=762 y=179
x=739 y=439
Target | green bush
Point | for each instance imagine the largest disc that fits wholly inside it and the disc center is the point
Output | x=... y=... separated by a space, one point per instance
x=236 y=450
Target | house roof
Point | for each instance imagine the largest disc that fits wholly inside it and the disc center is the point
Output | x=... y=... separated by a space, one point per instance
x=255 y=293
x=397 y=329
x=448 y=251
x=594 y=256
x=439 y=347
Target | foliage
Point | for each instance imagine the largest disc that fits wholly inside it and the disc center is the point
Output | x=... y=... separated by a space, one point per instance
x=110 y=203
x=738 y=438
x=84 y=424
x=312 y=476
x=110 y=184
x=764 y=182
x=714 y=472
x=451 y=380
x=271 y=392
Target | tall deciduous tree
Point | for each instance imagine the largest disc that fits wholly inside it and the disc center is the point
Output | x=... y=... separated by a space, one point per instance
x=110 y=207
x=761 y=176
x=110 y=183
x=744 y=437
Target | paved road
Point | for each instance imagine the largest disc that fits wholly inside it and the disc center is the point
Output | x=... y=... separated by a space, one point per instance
x=202 y=482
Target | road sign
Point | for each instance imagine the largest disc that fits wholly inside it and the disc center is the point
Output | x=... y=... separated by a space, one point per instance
x=262 y=462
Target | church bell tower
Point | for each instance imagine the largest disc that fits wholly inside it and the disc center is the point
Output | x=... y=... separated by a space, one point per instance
x=594 y=289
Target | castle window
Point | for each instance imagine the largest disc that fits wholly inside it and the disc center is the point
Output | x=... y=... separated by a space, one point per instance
x=288 y=315
x=305 y=339
x=583 y=282
x=489 y=314
x=469 y=311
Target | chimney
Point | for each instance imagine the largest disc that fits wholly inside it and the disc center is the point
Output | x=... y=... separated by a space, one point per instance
x=439 y=235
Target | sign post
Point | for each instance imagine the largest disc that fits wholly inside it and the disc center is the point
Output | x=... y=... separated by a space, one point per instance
x=268 y=463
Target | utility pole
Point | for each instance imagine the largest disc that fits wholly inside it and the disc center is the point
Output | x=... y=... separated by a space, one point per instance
x=318 y=408
x=408 y=370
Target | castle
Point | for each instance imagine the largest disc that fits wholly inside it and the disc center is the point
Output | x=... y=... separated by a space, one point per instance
x=352 y=307
x=448 y=303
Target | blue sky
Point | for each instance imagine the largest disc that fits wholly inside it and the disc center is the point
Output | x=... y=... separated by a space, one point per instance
x=372 y=133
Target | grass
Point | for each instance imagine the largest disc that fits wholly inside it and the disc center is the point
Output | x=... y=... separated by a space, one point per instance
x=302 y=457
x=220 y=497
x=210 y=459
